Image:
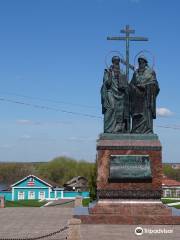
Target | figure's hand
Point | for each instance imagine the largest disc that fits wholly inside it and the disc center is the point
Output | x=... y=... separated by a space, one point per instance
x=141 y=87
x=108 y=83
x=140 y=90
x=122 y=88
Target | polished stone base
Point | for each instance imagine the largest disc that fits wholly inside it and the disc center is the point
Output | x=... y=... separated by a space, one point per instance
x=129 y=220
x=131 y=208
x=130 y=212
x=129 y=145
x=130 y=201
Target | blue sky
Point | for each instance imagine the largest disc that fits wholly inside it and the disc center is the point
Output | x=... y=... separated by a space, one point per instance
x=53 y=55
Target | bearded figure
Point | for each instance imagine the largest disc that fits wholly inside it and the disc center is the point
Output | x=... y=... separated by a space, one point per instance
x=115 y=99
x=144 y=89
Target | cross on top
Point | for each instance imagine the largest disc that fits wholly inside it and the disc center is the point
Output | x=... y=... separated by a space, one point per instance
x=127 y=38
x=127 y=30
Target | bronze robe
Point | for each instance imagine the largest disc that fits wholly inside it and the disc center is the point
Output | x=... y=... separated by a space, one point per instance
x=144 y=89
x=115 y=102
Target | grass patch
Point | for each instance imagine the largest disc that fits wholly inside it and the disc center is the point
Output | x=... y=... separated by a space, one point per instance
x=176 y=206
x=165 y=201
x=85 y=202
x=24 y=203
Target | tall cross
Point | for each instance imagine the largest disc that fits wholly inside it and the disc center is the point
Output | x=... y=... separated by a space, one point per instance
x=127 y=38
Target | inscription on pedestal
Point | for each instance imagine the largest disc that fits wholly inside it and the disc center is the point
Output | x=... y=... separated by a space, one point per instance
x=129 y=168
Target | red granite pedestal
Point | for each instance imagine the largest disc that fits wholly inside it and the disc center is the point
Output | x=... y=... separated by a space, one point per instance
x=129 y=202
x=130 y=213
x=129 y=144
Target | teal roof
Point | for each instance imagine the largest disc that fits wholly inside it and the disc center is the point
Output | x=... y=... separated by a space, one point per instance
x=31 y=181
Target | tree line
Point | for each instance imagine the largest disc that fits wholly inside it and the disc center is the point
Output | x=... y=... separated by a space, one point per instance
x=58 y=170
x=171 y=172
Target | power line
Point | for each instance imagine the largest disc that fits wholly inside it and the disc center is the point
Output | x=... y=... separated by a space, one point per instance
x=43 y=107
x=63 y=102
x=48 y=100
x=171 y=127
x=49 y=108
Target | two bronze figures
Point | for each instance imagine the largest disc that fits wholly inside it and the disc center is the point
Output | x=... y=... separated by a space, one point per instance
x=129 y=107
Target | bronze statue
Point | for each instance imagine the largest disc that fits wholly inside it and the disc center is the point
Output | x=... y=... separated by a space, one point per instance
x=121 y=100
x=144 y=89
x=115 y=99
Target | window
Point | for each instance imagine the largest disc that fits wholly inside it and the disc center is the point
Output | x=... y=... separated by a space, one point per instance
x=31 y=195
x=167 y=193
x=20 y=195
x=178 y=193
x=41 y=195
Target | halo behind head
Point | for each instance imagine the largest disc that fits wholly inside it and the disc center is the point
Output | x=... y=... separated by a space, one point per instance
x=115 y=58
x=143 y=58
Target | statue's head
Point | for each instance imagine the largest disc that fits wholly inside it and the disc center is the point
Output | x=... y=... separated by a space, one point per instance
x=143 y=62
x=116 y=60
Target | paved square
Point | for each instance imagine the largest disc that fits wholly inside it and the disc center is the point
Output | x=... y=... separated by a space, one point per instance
x=33 y=222
x=126 y=232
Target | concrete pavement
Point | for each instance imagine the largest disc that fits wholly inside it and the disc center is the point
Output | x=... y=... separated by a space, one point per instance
x=33 y=222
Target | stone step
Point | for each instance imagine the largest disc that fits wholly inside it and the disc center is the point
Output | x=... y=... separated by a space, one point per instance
x=120 y=219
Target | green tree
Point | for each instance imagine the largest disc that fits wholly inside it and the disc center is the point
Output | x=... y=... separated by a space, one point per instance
x=171 y=172
x=62 y=169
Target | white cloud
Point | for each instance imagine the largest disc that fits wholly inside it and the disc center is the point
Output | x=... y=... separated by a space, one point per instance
x=80 y=139
x=5 y=146
x=163 y=112
x=25 y=137
x=24 y=122
x=30 y=122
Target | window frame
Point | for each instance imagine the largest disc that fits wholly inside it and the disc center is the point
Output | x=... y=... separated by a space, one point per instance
x=23 y=195
x=40 y=194
x=30 y=197
x=166 y=191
